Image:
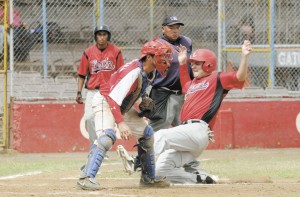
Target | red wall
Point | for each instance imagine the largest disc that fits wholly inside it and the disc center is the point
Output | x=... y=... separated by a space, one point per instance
x=53 y=127
x=257 y=123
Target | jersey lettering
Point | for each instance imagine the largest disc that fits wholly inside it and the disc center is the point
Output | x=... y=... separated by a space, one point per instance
x=104 y=65
x=197 y=87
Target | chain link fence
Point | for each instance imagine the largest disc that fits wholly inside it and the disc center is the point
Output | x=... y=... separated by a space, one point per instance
x=251 y=19
x=49 y=37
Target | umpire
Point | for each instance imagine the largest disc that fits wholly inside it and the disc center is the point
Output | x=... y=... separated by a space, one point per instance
x=166 y=91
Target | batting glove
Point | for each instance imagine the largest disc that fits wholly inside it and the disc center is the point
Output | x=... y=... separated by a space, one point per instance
x=79 y=98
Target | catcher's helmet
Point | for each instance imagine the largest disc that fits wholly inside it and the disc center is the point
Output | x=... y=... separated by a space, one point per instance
x=207 y=56
x=162 y=54
x=102 y=28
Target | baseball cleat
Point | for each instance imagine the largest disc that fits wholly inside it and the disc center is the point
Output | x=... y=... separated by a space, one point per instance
x=206 y=178
x=82 y=172
x=145 y=181
x=88 y=183
x=128 y=161
x=106 y=156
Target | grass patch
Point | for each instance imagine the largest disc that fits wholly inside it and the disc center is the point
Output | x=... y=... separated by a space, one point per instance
x=257 y=168
x=12 y=167
x=247 y=165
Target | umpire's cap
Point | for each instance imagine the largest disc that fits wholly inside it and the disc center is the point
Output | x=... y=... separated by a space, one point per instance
x=171 y=20
x=102 y=28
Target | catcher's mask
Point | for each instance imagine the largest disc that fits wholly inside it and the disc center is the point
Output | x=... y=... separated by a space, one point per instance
x=207 y=56
x=162 y=54
x=102 y=28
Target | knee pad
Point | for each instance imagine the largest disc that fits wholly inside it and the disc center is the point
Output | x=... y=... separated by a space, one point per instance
x=148 y=132
x=111 y=134
x=106 y=139
x=146 y=142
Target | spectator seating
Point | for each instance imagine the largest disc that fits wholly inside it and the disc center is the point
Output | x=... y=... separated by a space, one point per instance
x=30 y=84
x=277 y=92
x=59 y=62
x=253 y=92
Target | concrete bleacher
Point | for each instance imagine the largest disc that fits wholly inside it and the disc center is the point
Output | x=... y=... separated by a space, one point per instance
x=69 y=94
x=277 y=92
x=58 y=62
x=257 y=92
x=30 y=84
x=254 y=92
x=63 y=62
x=33 y=84
x=235 y=93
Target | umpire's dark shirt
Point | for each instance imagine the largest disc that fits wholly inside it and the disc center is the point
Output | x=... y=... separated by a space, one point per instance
x=172 y=80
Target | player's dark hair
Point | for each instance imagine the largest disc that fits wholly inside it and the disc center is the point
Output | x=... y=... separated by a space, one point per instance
x=144 y=58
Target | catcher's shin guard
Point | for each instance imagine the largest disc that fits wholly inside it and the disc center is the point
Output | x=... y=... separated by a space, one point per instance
x=146 y=153
x=147 y=161
x=83 y=168
x=97 y=153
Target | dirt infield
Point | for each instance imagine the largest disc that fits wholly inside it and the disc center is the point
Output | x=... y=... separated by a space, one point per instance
x=115 y=182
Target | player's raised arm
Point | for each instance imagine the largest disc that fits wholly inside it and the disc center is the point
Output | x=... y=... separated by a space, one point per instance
x=182 y=55
x=184 y=73
x=242 y=71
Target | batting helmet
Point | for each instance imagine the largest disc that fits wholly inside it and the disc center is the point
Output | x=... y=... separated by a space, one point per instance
x=162 y=53
x=102 y=28
x=207 y=56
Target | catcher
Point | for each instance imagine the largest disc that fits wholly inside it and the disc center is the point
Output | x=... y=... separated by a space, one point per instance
x=113 y=104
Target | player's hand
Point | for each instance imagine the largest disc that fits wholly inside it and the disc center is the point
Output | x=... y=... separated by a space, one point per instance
x=182 y=55
x=246 y=48
x=125 y=131
x=79 y=98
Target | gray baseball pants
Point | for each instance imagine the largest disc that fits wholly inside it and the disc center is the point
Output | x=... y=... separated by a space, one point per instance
x=177 y=146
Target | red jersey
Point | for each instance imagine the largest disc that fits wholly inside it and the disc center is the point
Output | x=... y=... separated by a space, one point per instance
x=203 y=97
x=97 y=66
x=122 y=85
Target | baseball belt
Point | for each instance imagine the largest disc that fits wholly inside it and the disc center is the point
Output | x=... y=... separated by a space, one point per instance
x=209 y=132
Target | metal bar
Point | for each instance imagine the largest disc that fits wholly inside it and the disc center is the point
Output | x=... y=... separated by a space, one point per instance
x=102 y=12
x=239 y=49
x=5 y=52
x=151 y=18
x=45 y=38
x=11 y=48
x=220 y=37
x=272 y=39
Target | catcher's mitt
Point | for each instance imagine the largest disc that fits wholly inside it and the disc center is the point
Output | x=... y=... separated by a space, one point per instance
x=147 y=106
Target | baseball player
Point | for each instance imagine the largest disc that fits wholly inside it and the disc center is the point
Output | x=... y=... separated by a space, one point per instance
x=166 y=91
x=203 y=96
x=98 y=63
x=113 y=103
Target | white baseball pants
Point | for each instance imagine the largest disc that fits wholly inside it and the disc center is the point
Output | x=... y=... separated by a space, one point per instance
x=104 y=119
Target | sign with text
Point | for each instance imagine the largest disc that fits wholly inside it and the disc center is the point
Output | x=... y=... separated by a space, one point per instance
x=288 y=58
